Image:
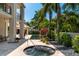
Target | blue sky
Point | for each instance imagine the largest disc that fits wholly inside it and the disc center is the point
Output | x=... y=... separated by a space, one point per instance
x=30 y=10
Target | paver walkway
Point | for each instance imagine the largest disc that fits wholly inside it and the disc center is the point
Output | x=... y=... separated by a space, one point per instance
x=6 y=48
x=19 y=51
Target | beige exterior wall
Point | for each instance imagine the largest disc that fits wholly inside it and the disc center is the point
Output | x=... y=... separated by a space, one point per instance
x=3 y=27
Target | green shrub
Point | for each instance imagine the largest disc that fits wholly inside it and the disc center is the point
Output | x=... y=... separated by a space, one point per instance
x=65 y=39
x=60 y=39
x=66 y=27
x=75 y=43
x=34 y=32
x=51 y=35
x=45 y=40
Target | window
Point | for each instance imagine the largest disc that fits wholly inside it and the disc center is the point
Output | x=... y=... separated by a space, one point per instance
x=1 y=7
x=8 y=8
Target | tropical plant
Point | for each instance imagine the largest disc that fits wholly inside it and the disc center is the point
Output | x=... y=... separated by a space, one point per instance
x=60 y=40
x=37 y=19
x=75 y=43
x=69 y=22
x=45 y=40
x=53 y=24
x=52 y=35
x=43 y=24
x=65 y=39
x=50 y=7
x=44 y=31
x=57 y=9
x=66 y=27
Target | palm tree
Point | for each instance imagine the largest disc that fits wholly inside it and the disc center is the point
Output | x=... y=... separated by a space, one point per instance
x=71 y=9
x=37 y=18
x=58 y=9
x=49 y=8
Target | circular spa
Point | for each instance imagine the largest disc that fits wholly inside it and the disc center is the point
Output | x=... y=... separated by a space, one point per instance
x=39 y=50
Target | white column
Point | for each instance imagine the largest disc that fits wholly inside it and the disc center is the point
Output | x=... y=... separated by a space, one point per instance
x=6 y=26
x=21 y=29
x=21 y=22
x=12 y=26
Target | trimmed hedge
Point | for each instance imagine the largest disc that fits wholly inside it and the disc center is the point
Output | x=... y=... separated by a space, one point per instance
x=75 y=43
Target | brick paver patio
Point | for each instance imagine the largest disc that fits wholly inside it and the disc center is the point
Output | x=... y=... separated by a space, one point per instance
x=19 y=51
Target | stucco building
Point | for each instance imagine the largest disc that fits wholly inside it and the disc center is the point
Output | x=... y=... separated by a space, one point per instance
x=8 y=20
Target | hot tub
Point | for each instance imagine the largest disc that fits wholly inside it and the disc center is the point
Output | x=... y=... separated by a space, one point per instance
x=39 y=50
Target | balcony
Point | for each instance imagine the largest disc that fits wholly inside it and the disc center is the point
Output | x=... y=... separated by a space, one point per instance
x=5 y=11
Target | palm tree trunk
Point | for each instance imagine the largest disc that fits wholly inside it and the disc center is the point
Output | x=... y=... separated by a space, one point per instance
x=50 y=17
x=58 y=20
